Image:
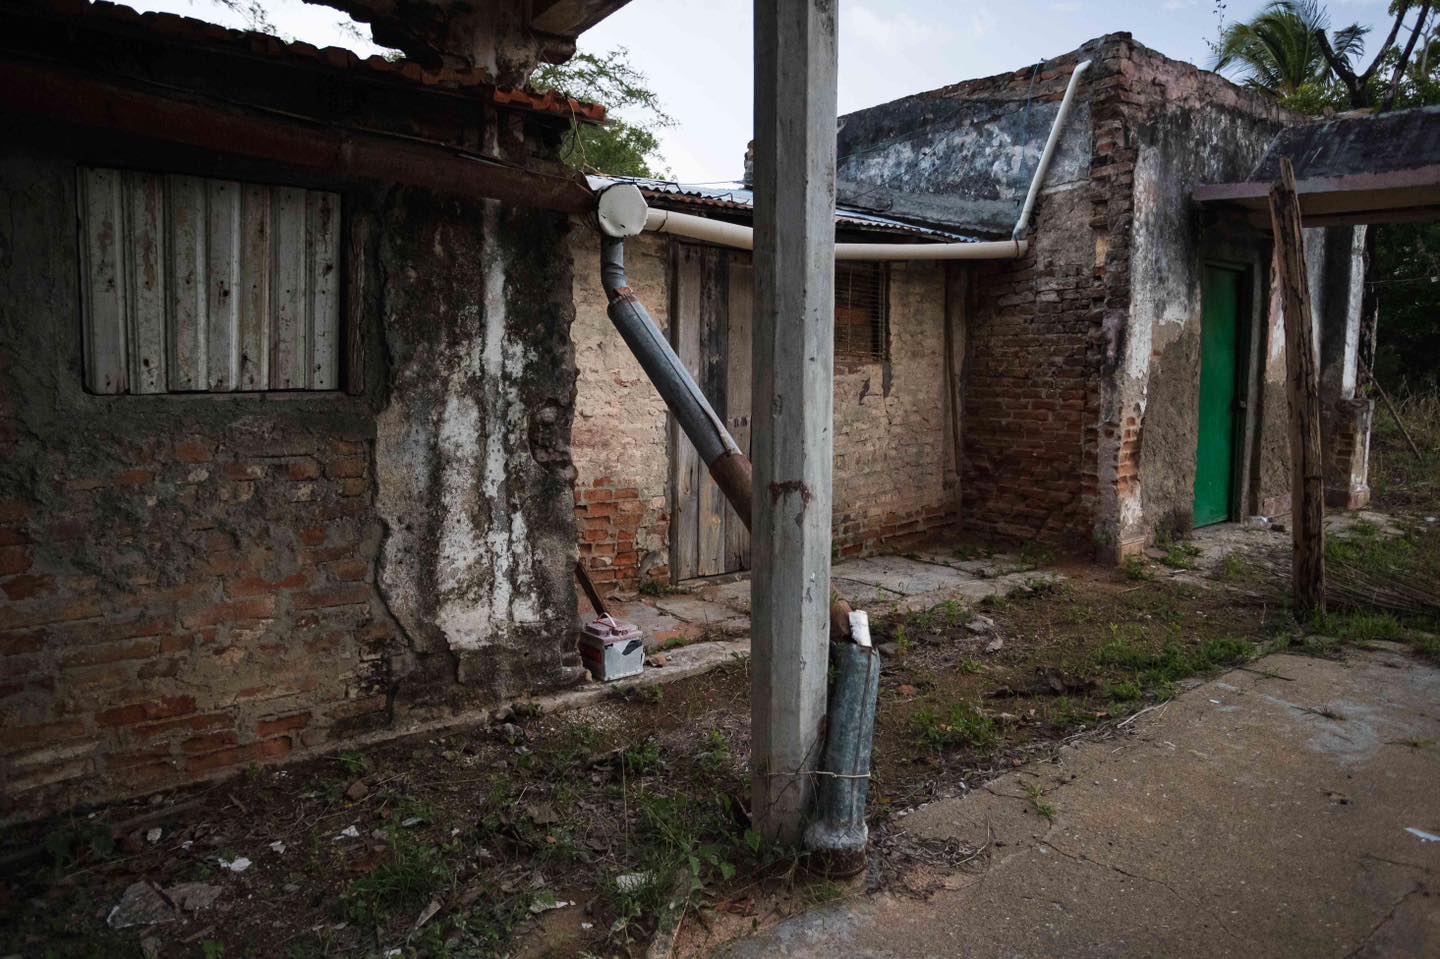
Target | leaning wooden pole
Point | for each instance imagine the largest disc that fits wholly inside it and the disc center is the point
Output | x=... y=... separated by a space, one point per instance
x=1302 y=377
x=792 y=404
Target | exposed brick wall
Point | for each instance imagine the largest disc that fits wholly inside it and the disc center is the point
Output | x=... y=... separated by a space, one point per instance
x=894 y=476
x=190 y=584
x=1031 y=385
x=188 y=588
x=622 y=482
x=1060 y=393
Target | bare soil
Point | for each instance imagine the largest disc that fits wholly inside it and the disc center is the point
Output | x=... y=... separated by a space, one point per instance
x=573 y=834
x=460 y=844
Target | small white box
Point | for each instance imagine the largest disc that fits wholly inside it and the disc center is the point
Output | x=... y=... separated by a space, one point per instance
x=612 y=649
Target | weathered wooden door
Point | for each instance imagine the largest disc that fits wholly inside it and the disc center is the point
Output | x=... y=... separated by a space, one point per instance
x=1219 y=365
x=710 y=312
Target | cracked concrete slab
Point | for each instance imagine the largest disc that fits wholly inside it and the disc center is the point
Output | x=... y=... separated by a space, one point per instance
x=1253 y=816
x=898 y=574
x=862 y=595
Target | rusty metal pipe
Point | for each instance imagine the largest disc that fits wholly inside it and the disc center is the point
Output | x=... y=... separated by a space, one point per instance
x=728 y=466
x=673 y=381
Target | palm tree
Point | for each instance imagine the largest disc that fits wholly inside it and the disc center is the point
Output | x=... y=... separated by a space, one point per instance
x=1283 y=49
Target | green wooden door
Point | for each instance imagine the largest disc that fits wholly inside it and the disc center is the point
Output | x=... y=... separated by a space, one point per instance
x=1215 y=452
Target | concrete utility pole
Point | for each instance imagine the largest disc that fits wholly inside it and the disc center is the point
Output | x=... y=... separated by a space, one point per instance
x=792 y=403
x=1307 y=471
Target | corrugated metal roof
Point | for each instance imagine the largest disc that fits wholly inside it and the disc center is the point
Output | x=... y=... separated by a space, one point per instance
x=736 y=198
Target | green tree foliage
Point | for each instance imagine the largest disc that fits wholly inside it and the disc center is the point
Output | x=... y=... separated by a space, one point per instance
x=1406 y=271
x=1280 y=50
x=628 y=144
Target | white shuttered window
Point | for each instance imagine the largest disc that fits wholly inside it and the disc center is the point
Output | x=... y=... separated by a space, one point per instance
x=192 y=284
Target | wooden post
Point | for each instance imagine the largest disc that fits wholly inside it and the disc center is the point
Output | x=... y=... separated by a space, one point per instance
x=792 y=403
x=1302 y=377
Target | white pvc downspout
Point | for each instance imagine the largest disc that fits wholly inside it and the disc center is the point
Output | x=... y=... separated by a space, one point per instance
x=743 y=237
x=1043 y=168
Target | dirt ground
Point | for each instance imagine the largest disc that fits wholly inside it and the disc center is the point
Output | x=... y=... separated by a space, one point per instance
x=577 y=833
x=566 y=834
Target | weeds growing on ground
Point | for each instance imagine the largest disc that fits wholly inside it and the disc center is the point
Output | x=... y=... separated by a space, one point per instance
x=1036 y=795
x=1136 y=569
x=965 y=724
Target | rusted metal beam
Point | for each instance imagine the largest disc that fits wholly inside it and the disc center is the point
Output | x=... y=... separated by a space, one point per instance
x=57 y=95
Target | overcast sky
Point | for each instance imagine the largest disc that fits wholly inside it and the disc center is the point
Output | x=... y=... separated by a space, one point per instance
x=697 y=52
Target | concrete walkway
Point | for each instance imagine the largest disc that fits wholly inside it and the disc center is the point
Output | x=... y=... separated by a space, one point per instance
x=878 y=584
x=1255 y=816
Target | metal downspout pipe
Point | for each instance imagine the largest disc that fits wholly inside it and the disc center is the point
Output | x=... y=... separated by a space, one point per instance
x=729 y=467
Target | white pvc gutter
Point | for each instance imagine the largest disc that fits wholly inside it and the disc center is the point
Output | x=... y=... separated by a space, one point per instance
x=743 y=237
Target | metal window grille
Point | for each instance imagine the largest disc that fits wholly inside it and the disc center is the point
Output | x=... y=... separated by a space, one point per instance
x=202 y=285
x=862 y=311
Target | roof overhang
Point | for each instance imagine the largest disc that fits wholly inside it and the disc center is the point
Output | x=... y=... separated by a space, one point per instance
x=1351 y=169
x=1394 y=196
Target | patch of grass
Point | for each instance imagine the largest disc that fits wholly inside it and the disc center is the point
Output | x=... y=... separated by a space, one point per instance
x=642 y=758
x=352 y=762
x=964 y=725
x=1181 y=555
x=1360 y=627
x=1232 y=567
x=1158 y=670
x=1136 y=569
x=1065 y=713
x=650 y=695
x=1398 y=479
x=717 y=757
x=658 y=587
x=1125 y=691
x=952 y=613
x=1427 y=647
x=413 y=871
x=1036 y=795
x=902 y=640
x=1035 y=555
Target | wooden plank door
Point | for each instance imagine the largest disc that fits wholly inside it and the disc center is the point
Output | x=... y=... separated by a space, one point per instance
x=1219 y=366
x=710 y=305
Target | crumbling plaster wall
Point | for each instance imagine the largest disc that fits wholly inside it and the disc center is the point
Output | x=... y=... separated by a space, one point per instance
x=472 y=450
x=963 y=154
x=190 y=584
x=1184 y=127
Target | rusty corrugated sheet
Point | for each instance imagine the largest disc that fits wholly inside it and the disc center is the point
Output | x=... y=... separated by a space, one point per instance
x=204 y=285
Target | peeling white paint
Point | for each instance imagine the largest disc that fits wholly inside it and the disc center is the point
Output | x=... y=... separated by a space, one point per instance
x=1352 y=323
x=484 y=576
